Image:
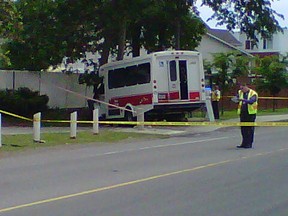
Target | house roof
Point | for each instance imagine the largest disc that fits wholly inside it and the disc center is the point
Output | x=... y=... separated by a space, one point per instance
x=225 y=36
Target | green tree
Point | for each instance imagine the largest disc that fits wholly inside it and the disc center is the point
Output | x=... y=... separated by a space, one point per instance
x=116 y=32
x=10 y=25
x=242 y=65
x=229 y=65
x=52 y=30
x=33 y=51
x=251 y=17
x=10 y=19
x=208 y=72
x=57 y=28
x=273 y=75
x=223 y=63
x=171 y=24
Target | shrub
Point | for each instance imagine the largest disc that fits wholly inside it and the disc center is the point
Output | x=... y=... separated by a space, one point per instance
x=23 y=101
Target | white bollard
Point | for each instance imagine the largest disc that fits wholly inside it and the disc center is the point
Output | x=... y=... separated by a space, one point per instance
x=36 y=127
x=0 y=130
x=210 y=111
x=73 y=125
x=140 y=119
x=95 y=121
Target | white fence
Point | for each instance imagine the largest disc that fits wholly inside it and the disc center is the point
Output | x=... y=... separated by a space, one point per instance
x=46 y=83
x=73 y=126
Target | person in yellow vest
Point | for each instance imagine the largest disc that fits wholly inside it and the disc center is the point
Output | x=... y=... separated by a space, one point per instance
x=247 y=109
x=215 y=98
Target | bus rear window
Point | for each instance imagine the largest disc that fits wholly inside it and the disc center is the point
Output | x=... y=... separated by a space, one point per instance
x=173 y=73
x=129 y=76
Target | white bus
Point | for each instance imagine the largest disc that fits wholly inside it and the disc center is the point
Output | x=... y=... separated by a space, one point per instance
x=168 y=83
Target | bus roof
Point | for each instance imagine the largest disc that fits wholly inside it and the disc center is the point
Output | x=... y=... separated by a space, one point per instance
x=149 y=56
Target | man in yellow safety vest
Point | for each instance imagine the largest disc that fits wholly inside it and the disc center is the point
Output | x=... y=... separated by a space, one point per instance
x=247 y=109
x=215 y=97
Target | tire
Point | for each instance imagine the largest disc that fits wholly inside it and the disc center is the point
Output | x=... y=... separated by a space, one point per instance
x=129 y=116
x=176 y=117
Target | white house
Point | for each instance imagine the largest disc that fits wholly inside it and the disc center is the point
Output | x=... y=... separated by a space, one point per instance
x=277 y=44
x=218 y=41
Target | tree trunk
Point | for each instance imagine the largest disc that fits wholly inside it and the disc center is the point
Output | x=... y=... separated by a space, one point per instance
x=274 y=103
x=161 y=46
x=122 y=40
x=105 y=51
x=136 y=46
x=178 y=33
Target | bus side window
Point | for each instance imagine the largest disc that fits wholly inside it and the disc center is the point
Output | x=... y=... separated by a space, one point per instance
x=144 y=73
x=131 y=75
x=110 y=79
x=116 y=78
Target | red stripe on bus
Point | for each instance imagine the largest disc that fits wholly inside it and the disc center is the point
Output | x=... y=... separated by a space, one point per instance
x=165 y=96
x=194 y=95
x=133 y=99
x=174 y=95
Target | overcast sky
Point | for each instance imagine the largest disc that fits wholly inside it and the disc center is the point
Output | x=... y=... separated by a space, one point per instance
x=281 y=6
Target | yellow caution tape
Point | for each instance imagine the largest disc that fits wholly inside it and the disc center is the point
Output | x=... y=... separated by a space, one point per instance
x=56 y=121
x=69 y=121
x=14 y=115
x=218 y=124
x=274 y=98
x=269 y=98
x=162 y=123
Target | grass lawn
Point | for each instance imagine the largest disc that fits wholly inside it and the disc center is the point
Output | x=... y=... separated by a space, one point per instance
x=231 y=114
x=22 y=142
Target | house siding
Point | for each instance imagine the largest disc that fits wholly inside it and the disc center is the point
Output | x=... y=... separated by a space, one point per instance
x=279 y=43
x=208 y=46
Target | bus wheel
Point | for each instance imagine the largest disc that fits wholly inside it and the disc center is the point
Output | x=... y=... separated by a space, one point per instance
x=129 y=116
x=176 y=117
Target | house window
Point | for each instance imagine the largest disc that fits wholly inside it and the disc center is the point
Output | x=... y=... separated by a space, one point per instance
x=267 y=43
x=248 y=44
x=264 y=44
x=270 y=43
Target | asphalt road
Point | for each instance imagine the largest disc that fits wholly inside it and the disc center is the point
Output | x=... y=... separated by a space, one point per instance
x=191 y=175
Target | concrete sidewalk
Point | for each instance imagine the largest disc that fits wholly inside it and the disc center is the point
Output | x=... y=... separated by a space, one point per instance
x=267 y=118
x=169 y=130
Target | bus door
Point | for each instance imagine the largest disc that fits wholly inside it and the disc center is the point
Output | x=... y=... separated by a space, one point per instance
x=177 y=80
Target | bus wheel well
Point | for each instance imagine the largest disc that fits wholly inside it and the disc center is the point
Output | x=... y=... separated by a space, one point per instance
x=128 y=115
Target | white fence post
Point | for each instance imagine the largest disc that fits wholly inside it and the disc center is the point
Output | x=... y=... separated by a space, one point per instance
x=210 y=111
x=95 y=121
x=208 y=105
x=36 y=127
x=73 y=125
x=140 y=118
x=0 y=130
